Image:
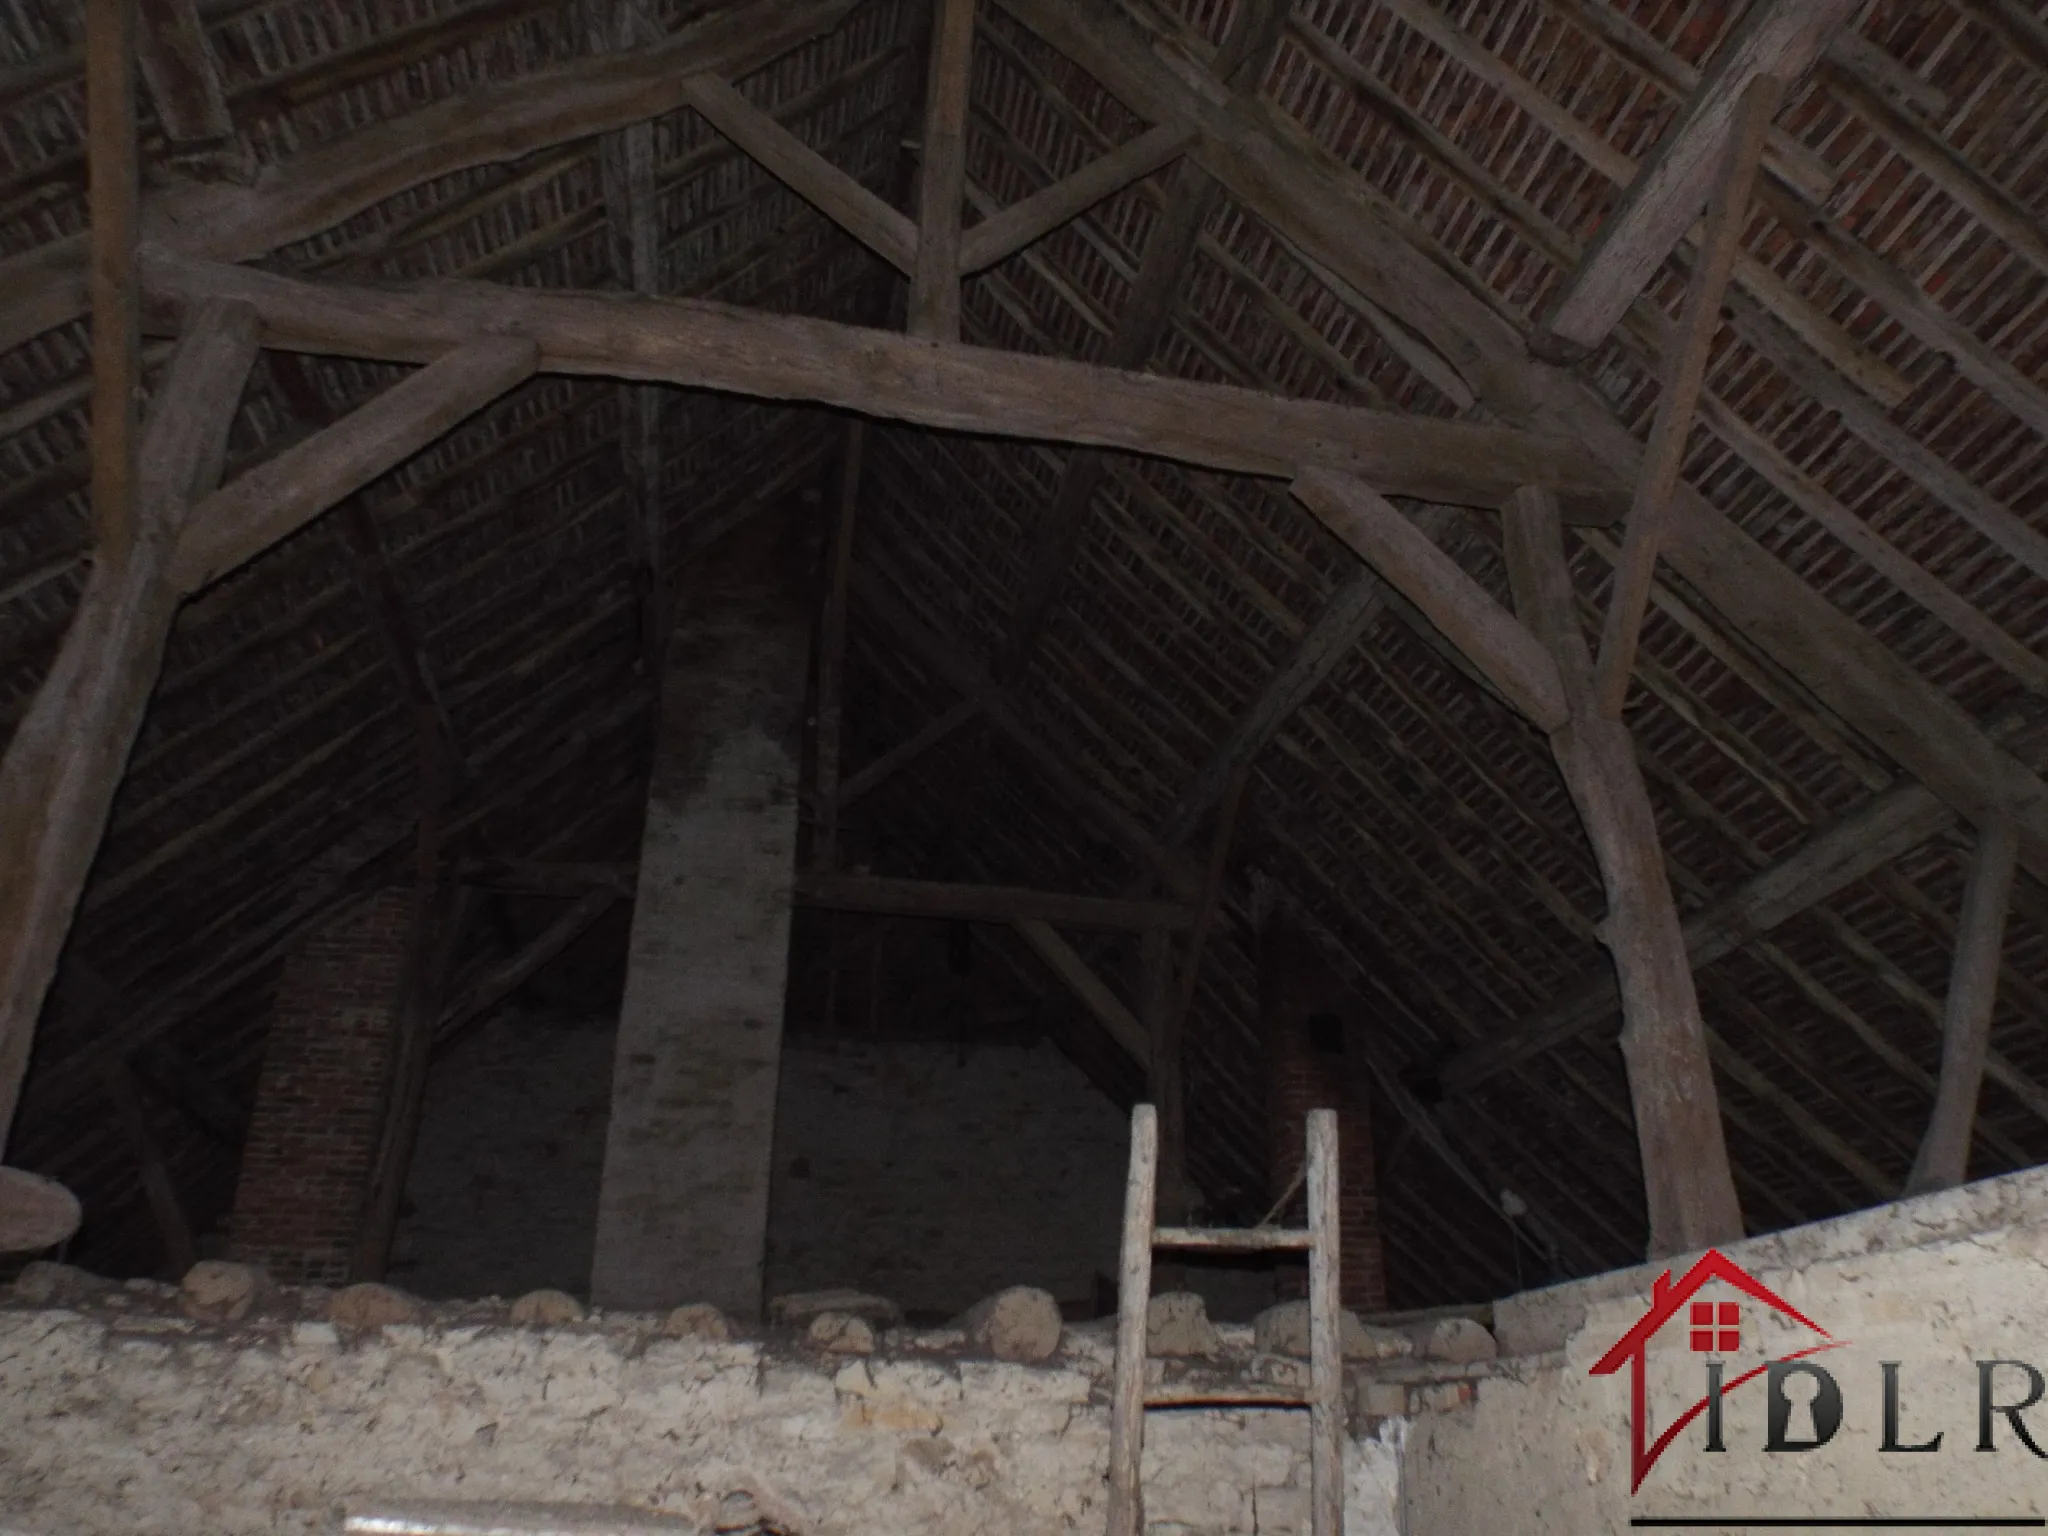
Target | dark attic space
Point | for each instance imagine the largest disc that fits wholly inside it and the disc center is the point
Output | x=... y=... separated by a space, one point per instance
x=860 y=734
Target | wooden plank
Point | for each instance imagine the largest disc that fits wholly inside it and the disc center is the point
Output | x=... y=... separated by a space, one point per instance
x=832 y=654
x=1943 y=1160
x=1868 y=838
x=1779 y=38
x=1126 y=1515
x=905 y=752
x=1325 y=1336
x=1678 y=396
x=159 y=1191
x=880 y=375
x=942 y=175
x=1108 y=1009
x=183 y=80
x=1687 y=1179
x=805 y=172
x=35 y=1212
x=1032 y=218
x=551 y=877
x=492 y=125
x=985 y=903
x=277 y=498
x=112 y=205
x=1236 y=1239
x=1385 y=538
x=67 y=756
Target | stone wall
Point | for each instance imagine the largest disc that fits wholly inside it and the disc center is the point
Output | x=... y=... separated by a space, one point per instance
x=936 y=1174
x=1938 y=1286
x=121 y=1420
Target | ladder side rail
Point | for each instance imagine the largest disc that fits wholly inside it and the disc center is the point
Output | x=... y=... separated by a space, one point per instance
x=1325 y=1337
x=1134 y=1293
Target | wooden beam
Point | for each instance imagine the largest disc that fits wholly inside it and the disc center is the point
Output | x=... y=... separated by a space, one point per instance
x=878 y=374
x=478 y=996
x=805 y=172
x=67 y=756
x=112 y=193
x=551 y=877
x=1779 y=38
x=1352 y=610
x=1868 y=838
x=1385 y=538
x=942 y=175
x=282 y=495
x=832 y=654
x=1686 y=1174
x=906 y=752
x=1052 y=758
x=1165 y=1074
x=1679 y=394
x=1107 y=1008
x=174 y=1228
x=984 y=903
x=184 y=82
x=492 y=125
x=1943 y=1160
x=1032 y=218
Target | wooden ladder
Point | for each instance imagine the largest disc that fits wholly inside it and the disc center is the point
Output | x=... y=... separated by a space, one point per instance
x=1325 y=1399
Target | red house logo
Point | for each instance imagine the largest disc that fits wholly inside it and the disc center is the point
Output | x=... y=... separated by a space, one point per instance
x=1714 y=1328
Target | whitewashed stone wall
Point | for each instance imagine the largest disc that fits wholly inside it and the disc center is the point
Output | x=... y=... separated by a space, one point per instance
x=149 y=1425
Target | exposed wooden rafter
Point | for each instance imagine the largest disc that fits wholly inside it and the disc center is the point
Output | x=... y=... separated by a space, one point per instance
x=942 y=172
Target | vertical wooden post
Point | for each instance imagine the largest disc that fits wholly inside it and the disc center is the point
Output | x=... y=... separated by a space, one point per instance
x=437 y=913
x=112 y=192
x=832 y=652
x=1325 y=1332
x=1943 y=1161
x=935 y=284
x=175 y=1230
x=1133 y=1299
x=1686 y=1176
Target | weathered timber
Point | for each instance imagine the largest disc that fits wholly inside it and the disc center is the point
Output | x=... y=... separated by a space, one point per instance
x=1867 y=839
x=1126 y=1512
x=1052 y=757
x=494 y=124
x=905 y=752
x=1386 y=539
x=1326 y=211
x=879 y=374
x=67 y=756
x=1325 y=1338
x=1235 y=1239
x=832 y=655
x=277 y=498
x=985 y=903
x=159 y=1191
x=1780 y=39
x=805 y=172
x=1104 y=1005
x=1686 y=1175
x=113 y=194
x=942 y=174
x=1033 y=218
x=178 y=67
x=1678 y=396
x=1943 y=1160
x=550 y=877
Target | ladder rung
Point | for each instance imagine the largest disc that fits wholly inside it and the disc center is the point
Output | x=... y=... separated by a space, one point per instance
x=1233 y=1239
x=1192 y=1395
